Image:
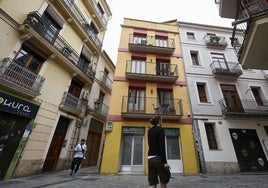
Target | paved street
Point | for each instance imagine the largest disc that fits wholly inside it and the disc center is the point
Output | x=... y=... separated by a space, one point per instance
x=85 y=178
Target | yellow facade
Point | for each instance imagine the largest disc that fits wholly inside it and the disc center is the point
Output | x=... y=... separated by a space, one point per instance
x=115 y=157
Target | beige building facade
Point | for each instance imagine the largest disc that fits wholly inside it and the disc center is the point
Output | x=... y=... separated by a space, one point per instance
x=51 y=57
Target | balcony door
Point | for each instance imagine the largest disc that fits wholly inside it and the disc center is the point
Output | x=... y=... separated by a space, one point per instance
x=138 y=66
x=173 y=150
x=140 y=39
x=231 y=97
x=219 y=61
x=132 y=150
x=136 y=100
x=53 y=24
x=165 y=101
x=162 y=68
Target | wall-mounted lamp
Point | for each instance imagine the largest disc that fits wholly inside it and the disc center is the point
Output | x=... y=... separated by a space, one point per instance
x=152 y=91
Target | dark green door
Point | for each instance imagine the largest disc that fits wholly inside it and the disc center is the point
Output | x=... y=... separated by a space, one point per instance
x=248 y=150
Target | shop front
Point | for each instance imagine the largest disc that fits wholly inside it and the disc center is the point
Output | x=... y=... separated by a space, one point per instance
x=16 y=117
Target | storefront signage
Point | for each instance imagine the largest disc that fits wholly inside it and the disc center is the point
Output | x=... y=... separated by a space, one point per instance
x=17 y=106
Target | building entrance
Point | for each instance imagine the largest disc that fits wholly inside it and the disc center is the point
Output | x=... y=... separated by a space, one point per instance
x=12 y=128
x=132 y=159
x=248 y=150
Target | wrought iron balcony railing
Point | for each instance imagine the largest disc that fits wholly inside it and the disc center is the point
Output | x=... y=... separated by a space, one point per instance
x=71 y=104
x=16 y=74
x=73 y=8
x=101 y=108
x=145 y=107
x=218 y=41
x=101 y=16
x=142 y=70
x=151 y=44
x=246 y=107
x=105 y=80
x=44 y=29
x=226 y=68
x=247 y=11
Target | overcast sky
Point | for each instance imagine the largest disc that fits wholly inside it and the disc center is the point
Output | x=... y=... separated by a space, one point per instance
x=194 y=11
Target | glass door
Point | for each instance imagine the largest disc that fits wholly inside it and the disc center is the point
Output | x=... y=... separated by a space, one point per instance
x=132 y=154
x=173 y=150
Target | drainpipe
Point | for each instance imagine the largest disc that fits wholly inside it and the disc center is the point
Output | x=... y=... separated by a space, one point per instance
x=198 y=146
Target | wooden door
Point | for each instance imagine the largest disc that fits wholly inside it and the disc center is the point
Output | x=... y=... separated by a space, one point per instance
x=56 y=145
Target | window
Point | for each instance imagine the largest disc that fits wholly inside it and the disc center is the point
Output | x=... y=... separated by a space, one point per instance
x=100 y=8
x=84 y=60
x=201 y=87
x=53 y=26
x=218 y=61
x=212 y=143
x=257 y=95
x=93 y=28
x=136 y=100
x=194 y=57
x=162 y=67
x=165 y=101
x=190 y=35
x=161 y=41
x=231 y=98
x=27 y=58
x=138 y=66
x=140 y=39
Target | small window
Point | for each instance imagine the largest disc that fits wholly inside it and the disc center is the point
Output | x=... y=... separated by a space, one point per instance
x=190 y=35
x=212 y=142
x=257 y=95
x=201 y=87
x=194 y=57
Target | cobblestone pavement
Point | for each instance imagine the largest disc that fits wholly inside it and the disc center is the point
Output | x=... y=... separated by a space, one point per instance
x=87 y=179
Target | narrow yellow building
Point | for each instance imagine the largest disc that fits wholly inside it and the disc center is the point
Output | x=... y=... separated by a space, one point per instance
x=149 y=79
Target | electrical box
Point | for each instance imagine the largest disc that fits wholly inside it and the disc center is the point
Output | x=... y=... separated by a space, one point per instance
x=109 y=126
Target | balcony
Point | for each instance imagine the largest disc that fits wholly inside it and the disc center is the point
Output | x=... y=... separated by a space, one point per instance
x=56 y=44
x=70 y=9
x=105 y=82
x=100 y=110
x=152 y=44
x=218 y=42
x=226 y=70
x=19 y=79
x=246 y=108
x=71 y=104
x=93 y=8
x=250 y=39
x=165 y=72
x=146 y=107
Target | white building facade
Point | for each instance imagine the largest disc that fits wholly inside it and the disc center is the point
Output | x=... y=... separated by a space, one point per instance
x=229 y=104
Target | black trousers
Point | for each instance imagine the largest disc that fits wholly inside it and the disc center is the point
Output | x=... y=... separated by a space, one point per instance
x=76 y=164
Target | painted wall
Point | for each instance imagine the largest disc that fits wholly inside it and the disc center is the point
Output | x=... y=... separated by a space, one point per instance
x=111 y=155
